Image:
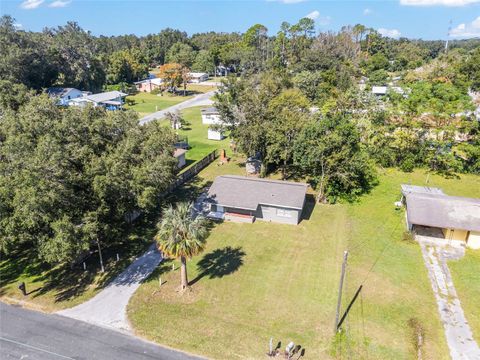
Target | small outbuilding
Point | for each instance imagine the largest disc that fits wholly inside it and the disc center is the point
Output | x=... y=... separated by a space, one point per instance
x=179 y=154
x=245 y=199
x=215 y=134
x=198 y=77
x=455 y=218
x=211 y=116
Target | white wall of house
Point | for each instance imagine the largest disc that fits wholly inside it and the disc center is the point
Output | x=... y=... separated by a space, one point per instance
x=72 y=94
x=473 y=241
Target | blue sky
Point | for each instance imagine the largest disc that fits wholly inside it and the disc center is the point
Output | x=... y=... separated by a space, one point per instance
x=428 y=19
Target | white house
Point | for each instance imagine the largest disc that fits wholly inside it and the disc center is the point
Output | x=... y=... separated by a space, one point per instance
x=215 y=134
x=111 y=100
x=211 y=116
x=64 y=95
x=198 y=77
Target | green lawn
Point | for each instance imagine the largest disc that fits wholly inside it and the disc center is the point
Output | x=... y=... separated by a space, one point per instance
x=197 y=136
x=52 y=289
x=267 y=280
x=146 y=103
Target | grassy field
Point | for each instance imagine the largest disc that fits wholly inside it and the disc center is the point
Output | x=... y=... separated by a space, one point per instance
x=466 y=278
x=52 y=289
x=146 y=103
x=197 y=136
x=267 y=280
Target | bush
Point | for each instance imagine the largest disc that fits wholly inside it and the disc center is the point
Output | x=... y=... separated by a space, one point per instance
x=408 y=164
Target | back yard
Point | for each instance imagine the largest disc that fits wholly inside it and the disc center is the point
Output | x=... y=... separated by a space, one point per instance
x=254 y=282
x=146 y=103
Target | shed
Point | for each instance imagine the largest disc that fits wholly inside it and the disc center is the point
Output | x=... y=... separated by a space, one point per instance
x=198 y=77
x=211 y=116
x=179 y=154
x=215 y=134
x=262 y=199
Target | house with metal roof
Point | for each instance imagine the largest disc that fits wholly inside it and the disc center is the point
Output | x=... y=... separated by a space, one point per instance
x=246 y=199
x=63 y=95
x=457 y=217
x=111 y=100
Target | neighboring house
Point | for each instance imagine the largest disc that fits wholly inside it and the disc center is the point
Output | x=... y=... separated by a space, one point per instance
x=245 y=199
x=64 y=95
x=111 y=100
x=148 y=85
x=215 y=134
x=383 y=90
x=179 y=154
x=457 y=218
x=211 y=116
x=198 y=77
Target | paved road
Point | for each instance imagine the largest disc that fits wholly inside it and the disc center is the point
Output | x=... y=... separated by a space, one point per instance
x=199 y=100
x=109 y=307
x=25 y=334
x=457 y=330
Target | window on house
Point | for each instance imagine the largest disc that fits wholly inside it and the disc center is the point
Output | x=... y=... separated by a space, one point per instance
x=284 y=213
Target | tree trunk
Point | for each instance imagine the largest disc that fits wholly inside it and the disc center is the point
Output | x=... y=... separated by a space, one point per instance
x=183 y=272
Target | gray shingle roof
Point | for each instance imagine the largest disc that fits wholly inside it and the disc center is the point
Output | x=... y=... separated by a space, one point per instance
x=247 y=193
x=443 y=211
x=210 y=110
x=58 y=91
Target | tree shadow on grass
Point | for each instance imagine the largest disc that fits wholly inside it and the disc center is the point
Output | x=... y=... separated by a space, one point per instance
x=219 y=263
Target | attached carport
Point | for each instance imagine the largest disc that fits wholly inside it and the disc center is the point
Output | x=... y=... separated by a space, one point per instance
x=458 y=218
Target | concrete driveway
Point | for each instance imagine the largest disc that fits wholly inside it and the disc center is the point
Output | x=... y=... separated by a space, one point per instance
x=109 y=307
x=457 y=330
x=199 y=100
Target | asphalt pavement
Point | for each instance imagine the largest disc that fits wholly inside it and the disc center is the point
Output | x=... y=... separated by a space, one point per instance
x=199 y=100
x=26 y=334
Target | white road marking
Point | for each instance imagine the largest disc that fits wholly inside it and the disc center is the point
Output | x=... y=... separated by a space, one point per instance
x=35 y=348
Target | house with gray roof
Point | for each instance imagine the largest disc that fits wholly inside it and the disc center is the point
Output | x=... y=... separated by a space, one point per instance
x=247 y=199
x=63 y=95
x=457 y=217
x=111 y=100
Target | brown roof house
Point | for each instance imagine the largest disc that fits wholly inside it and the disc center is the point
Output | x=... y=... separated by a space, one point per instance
x=244 y=199
x=457 y=217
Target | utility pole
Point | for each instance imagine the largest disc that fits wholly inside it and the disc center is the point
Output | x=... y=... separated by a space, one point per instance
x=100 y=254
x=448 y=36
x=340 y=289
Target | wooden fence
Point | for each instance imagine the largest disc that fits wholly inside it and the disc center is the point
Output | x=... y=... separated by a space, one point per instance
x=183 y=177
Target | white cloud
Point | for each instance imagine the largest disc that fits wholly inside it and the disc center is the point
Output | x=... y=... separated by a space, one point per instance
x=468 y=30
x=437 y=2
x=59 y=3
x=367 y=11
x=18 y=26
x=393 y=33
x=31 y=4
x=313 y=15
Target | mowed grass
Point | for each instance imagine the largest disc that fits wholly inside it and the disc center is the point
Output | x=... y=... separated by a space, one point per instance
x=146 y=103
x=466 y=278
x=52 y=288
x=196 y=132
x=264 y=280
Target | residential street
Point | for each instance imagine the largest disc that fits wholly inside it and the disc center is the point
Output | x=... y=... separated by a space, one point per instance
x=25 y=334
x=109 y=307
x=457 y=330
x=199 y=100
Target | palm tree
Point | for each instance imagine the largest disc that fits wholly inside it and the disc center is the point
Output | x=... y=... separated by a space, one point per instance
x=181 y=235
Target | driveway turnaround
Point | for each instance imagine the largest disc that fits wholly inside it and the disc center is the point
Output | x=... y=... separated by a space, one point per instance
x=457 y=331
x=26 y=334
x=109 y=307
x=199 y=100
